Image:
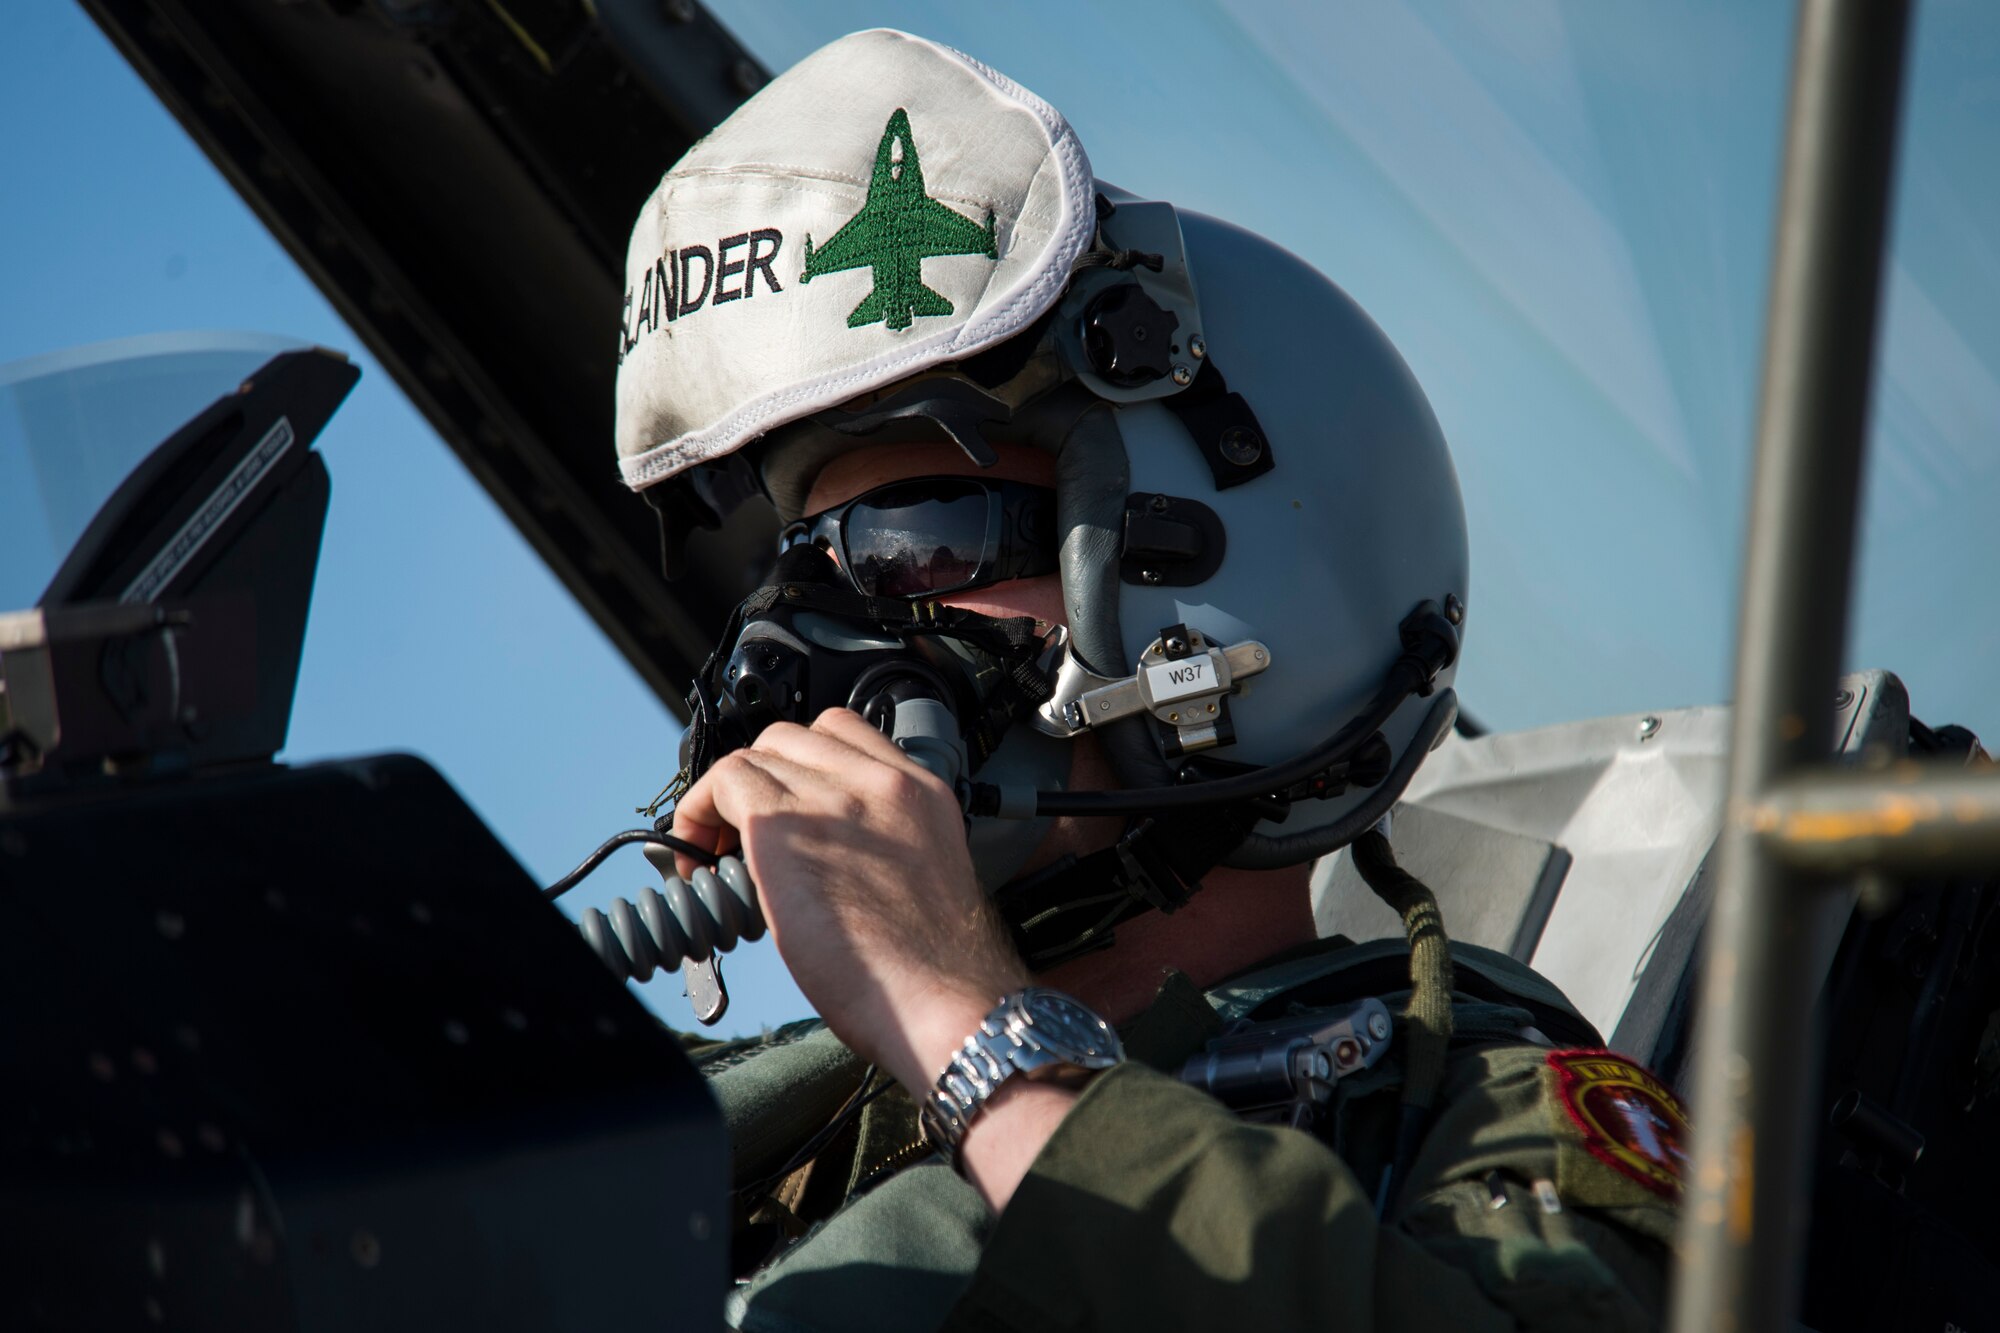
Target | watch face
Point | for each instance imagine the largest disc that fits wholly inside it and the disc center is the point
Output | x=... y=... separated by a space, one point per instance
x=1069 y=1031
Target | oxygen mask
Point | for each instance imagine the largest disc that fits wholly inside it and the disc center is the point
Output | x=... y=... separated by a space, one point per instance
x=942 y=682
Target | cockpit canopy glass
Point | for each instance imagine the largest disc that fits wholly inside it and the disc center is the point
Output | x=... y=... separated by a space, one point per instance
x=73 y=424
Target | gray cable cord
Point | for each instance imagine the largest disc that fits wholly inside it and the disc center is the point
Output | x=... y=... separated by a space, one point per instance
x=691 y=920
x=716 y=908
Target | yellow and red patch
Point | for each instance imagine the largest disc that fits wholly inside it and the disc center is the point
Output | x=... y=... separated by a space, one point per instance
x=1629 y=1120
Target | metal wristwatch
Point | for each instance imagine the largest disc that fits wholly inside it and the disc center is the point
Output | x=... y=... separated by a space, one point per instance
x=1035 y=1032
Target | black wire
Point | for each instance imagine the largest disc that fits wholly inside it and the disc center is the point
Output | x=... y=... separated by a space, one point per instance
x=1269 y=851
x=814 y=1146
x=617 y=840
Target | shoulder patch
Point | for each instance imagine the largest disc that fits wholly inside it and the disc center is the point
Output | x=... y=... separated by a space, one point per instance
x=1628 y=1119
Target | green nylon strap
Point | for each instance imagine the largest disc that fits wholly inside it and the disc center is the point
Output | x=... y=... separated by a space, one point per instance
x=1429 y=1013
x=1333 y=970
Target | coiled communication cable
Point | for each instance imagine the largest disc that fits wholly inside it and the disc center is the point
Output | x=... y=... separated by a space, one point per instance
x=710 y=912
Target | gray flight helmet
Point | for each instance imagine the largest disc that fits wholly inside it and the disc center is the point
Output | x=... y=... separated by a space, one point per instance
x=1356 y=522
x=1346 y=515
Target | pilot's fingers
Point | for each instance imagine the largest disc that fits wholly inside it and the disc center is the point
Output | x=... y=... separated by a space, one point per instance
x=811 y=748
x=721 y=840
x=847 y=726
x=705 y=836
x=709 y=814
x=754 y=787
x=850 y=757
x=851 y=760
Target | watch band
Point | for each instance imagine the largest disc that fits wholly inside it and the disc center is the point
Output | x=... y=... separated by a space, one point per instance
x=1008 y=1042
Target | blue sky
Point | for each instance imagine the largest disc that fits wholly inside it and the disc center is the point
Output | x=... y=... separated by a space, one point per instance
x=1560 y=213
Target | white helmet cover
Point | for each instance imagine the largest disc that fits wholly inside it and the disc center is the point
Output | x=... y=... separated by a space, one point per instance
x=886 y=205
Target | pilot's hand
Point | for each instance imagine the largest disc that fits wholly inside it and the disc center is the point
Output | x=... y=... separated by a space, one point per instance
x=860 y=859
x=859 y=855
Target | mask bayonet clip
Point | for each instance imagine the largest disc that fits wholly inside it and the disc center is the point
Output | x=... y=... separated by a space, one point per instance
x=1183 y=680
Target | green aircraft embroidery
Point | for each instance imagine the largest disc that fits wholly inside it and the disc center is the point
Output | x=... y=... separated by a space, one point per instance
x=898 y=227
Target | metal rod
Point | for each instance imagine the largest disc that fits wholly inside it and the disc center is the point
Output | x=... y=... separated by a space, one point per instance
x=1916 y=818
x=1755 y=1070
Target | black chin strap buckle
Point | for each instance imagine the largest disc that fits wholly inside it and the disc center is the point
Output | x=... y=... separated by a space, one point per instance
x=1072 y=907
x=1145 y=873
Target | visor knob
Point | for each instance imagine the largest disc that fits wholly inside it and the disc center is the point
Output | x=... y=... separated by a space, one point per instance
x=1128 y=337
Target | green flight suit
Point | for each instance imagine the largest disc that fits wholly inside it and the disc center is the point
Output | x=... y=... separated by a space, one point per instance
x=1153 y=1206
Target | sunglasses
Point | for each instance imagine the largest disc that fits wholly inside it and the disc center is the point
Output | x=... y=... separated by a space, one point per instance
x=935 y=535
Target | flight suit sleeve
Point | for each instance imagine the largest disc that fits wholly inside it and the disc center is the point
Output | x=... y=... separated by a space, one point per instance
x=1153 y=1206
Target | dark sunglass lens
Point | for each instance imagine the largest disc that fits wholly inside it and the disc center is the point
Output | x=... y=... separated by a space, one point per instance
x=907 y=540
